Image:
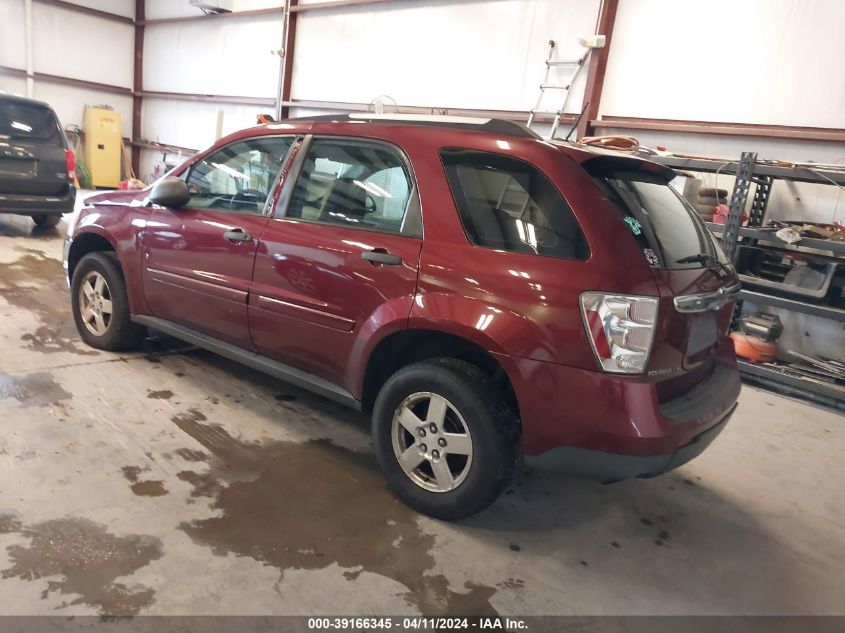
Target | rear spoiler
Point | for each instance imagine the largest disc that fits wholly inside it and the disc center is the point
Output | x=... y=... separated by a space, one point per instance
x=609 y=166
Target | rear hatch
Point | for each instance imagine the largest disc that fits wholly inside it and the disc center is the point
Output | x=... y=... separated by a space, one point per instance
x=32 y=150
x=697 y=283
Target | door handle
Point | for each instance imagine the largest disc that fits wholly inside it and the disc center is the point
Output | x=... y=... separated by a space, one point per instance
x=237 y=235
x=381 y=256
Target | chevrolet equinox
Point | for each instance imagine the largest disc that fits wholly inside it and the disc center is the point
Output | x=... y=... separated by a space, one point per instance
x=484 y=293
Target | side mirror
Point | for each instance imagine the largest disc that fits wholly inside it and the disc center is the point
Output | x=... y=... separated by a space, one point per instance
x=170 y=192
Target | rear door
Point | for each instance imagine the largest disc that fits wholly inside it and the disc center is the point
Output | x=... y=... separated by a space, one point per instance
x=696 y=280
x=338 y=258
x=198 y=260
x=32 y=150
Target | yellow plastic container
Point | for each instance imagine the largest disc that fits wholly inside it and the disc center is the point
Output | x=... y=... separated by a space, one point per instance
x=102 y=146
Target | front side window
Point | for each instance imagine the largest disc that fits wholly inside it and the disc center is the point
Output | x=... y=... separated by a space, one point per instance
x=238 y=178
x=358 y=184
x=507 y=204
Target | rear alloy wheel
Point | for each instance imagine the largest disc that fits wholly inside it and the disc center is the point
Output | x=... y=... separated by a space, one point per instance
x=445 y=438
x=100 y=304
x=431 y=441
x=45 y=220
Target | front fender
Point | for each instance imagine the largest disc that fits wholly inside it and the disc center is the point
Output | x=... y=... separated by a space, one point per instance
x=117 y=227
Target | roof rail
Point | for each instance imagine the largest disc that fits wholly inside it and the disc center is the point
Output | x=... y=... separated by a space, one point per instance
x=480 y=124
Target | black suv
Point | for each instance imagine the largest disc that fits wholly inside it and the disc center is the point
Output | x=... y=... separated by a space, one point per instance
x=36 y=164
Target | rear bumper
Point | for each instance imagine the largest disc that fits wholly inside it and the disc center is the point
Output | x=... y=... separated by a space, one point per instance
x=612 y=427
x=35 y=205
x=610 y=467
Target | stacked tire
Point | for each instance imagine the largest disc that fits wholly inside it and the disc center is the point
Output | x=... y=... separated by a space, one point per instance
x=709 y=198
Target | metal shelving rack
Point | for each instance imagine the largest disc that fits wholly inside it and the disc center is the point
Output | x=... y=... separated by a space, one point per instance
x=748 y=170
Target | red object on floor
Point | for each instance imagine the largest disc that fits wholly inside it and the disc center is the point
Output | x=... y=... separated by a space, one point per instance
x=753 y=348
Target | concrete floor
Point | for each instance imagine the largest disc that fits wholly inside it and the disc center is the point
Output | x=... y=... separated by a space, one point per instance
x=170 y=481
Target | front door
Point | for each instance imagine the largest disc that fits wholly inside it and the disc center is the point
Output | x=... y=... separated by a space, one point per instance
x=340 y=260
x=198 y=260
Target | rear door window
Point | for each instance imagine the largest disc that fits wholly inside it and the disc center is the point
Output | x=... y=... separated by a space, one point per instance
x=668 y=230
x=507 y=204
x=354 y=183
x=29 y=121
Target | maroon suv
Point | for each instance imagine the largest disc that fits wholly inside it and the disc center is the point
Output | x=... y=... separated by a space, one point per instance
x=483 y=292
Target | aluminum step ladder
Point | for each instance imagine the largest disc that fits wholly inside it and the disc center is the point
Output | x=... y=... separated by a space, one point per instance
x=575 y=65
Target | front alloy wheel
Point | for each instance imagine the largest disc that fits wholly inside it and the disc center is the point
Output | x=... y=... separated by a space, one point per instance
x=100 y=305
x=95 y=303
x=431 y=441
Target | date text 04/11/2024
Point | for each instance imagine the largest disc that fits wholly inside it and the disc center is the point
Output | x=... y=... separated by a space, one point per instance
x=416 y=623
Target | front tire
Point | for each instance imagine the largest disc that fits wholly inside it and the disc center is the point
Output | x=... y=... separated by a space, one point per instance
x=100 y=304
x=445 y=438
x=45 y=220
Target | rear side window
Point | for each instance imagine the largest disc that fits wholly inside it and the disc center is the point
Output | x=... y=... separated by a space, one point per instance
x=29 y=121
x=668 y=230
x=507 y=204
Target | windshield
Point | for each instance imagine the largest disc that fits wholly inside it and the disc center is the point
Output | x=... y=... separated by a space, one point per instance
x=669 y=231
x=28 y=121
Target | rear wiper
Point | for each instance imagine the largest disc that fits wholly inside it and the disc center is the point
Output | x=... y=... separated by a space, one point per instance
x=705 y=260
x=699 y=258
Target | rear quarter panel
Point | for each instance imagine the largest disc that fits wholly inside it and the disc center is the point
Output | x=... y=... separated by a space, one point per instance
x=521 y=305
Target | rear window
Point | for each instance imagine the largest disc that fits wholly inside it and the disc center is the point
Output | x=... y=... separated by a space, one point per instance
x=668 y=230
x=507 y=204
x=28 y=121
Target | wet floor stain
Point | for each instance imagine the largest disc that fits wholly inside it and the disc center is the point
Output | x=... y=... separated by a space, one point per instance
x=9 y=524
x=25 y=228
x=143 y=487
x=190 y=455
x=309 y=505
x=163 y=394
x=49 y=340
x=36 y=283
x=33 y=390
x=88 y=559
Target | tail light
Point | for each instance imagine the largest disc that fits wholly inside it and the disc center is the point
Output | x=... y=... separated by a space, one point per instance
x=620 y=329
x=70 y=161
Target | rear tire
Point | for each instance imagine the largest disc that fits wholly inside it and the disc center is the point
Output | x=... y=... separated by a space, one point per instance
x=100 y=304
x=46 y=220
x=469 y=440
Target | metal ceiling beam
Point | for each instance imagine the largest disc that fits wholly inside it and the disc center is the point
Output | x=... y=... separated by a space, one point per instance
x=295 y=8
x=68 y=81
x=835 y=135
x=520 y=116
x=188 y=96
x=286 y=78
x=138 y=82
x=78 y=8
x=597 y=67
